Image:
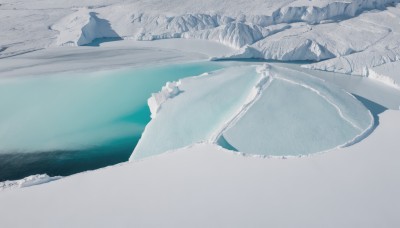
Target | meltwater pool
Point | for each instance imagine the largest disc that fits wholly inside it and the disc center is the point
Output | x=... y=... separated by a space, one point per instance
x=71 y=122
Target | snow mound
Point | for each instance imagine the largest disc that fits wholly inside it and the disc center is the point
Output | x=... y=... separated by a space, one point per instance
x=82 y=27
x=28 y=181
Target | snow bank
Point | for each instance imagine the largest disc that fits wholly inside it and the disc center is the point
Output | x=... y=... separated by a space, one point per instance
x=28 y=181
x=207 y=186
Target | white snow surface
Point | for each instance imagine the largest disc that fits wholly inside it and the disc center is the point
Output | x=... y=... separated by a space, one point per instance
x=206 y=186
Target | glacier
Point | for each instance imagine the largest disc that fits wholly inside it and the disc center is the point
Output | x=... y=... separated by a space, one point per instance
x=342 y=36
x=388 y=73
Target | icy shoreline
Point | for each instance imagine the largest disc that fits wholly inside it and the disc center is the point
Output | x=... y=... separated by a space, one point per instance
x=349 y=187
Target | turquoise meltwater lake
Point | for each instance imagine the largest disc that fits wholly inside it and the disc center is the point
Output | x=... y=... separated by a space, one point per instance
x=71 y=122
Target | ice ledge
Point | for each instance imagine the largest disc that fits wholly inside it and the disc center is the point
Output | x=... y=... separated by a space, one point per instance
x=387 y=73
x=28 y=181
x=170 y=90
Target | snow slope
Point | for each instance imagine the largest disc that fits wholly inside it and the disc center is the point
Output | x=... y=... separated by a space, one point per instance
x=206 y=186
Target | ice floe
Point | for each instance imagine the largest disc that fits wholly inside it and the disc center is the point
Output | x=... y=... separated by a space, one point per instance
x=285 y=112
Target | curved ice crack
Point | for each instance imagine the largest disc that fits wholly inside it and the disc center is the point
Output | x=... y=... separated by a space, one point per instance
x=264 y=82
x=325 y=98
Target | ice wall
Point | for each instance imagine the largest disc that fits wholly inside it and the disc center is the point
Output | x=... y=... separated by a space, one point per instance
x=388 y=73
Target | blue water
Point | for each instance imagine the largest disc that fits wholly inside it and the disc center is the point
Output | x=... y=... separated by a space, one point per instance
x=71 y=122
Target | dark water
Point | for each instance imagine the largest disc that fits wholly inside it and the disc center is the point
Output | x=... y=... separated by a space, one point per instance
x=63 y=163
